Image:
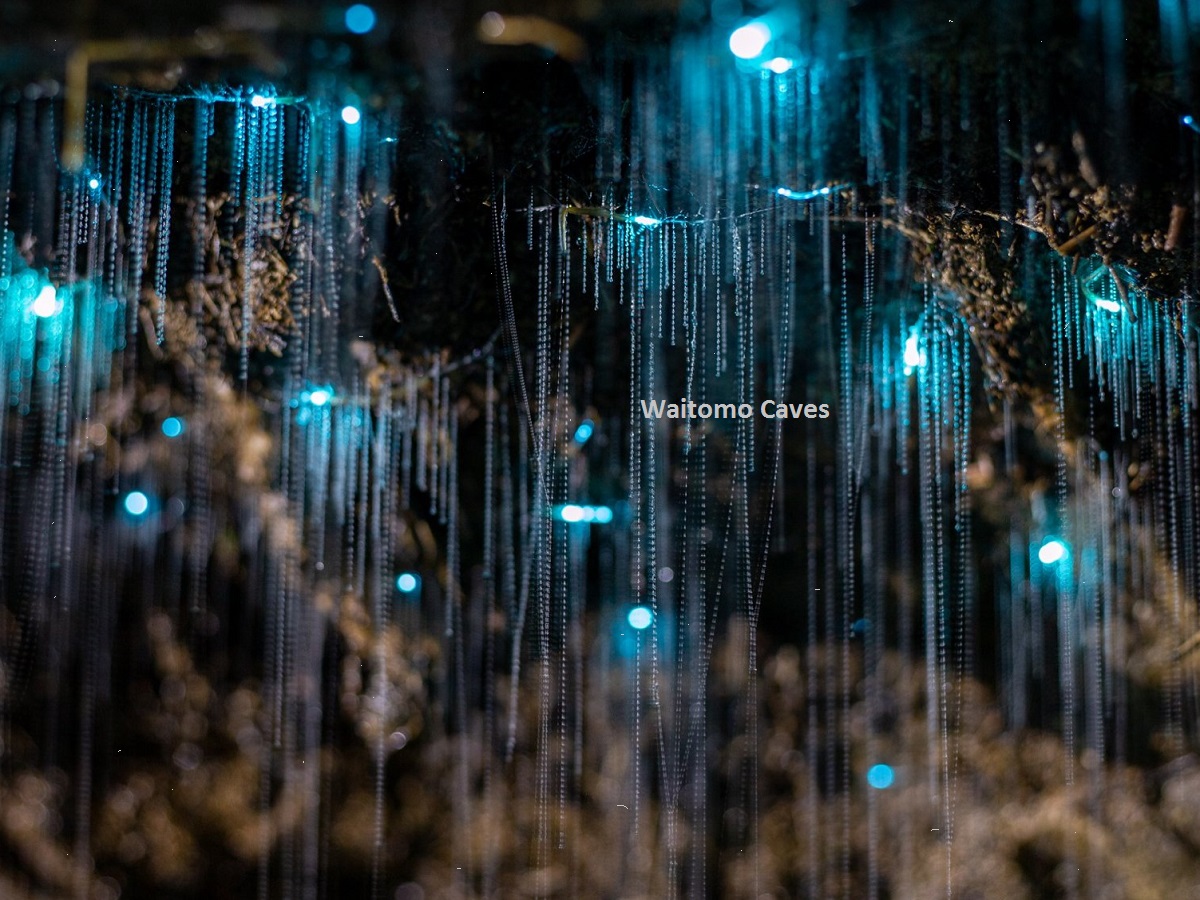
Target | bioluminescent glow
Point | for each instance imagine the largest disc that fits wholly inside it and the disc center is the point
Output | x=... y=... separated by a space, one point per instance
x=779 y=65
x=750 y=40
x=360 y=18
x=351 y=115
x=1107 y=305
x=172 y=427
x=584 y=432
x=881 y=776
x=826 y=191
x=321 y=396
x=639 y=618
x=45 y=304
x=1190 y=122
x=914 y=356
x=574 y=513
x=136 y=503
x=260 y=101
x=1052 y=551
x=94 y=183
x=647 y=221
x=408 y=582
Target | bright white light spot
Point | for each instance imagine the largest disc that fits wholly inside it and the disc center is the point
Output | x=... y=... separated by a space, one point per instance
x=1111 y=306
x=571 y=513
x=360 y=18
x=45 y=304
x=750 y=40
x=407 y=582
x=914 y=356
x=258 y=101
x=172 y=427
x=640 y=618
x=93 y=183
x=319 y=397
x=780 y=64
x=880 y=776
x=136 y=503
x=1052 y=551
x=646 y=221
x=492 y=25
x=351 y=115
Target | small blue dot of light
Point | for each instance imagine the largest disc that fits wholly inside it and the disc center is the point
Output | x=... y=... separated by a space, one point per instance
x=319 y=397
x=602 y=515
x=750 y=40
x=351 y=115
x=93 y=183
x=1188 y=120
x=407 y=582
x=136 y=503
x=640 y=618
x=172 y=427
x=881 y=776
x=584 y=431
x=360 y=18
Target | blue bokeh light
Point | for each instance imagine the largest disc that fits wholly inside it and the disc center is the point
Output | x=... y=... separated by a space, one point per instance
x=408 y=582
x=1053 y=550
x=360 y=18
x=750 y=40
x=881 y=776
x=136 y=503
x=584 y=432
x=574 y=513
x=639 y=618
x=351 y=115
x=172 y=427
x=45 y=304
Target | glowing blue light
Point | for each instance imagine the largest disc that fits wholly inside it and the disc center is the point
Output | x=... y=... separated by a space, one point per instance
x=1052 y=551
x=880 y=776
x=351 y=115
x=258 y=101
x=1190 y=122
x=1111 y=306
x=639 y=618
x=360 y=18
x=94 y=183
x=172 y=427
x=136 y=503
x=320 y=397
x=646 y=221
x=750 y=40
x=779 y=65
x=574 y=512
x=569 y=512
x=45 y=304
x=914 y=356
x=584 y=431
x=408 y=583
